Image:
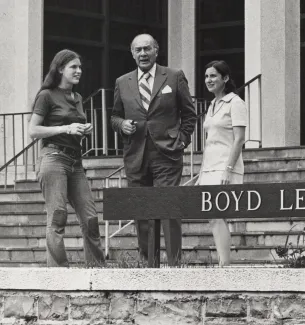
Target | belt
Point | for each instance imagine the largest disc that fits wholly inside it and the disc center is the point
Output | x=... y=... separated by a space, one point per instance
x=68 y=151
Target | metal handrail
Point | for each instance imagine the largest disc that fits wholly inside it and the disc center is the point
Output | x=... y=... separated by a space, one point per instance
x=107 y=237
x=248 y=101
x=24 y=151
x=248 y=83
x=12 y=138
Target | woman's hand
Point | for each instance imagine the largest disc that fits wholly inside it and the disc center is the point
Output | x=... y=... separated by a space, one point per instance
x=76 y=129
x=226 y=177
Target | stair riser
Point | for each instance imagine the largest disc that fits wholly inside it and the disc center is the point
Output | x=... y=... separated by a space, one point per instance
x=274 y=153
x=69 y=230
x=274 y=177
x=274 y=165
x=105 y=162
x=131 y=241
x=36 y=218
x=36 y=196
x=104 y=173
x=131 y=254
x=114 y=182
x=34 y=207
x=22 y=226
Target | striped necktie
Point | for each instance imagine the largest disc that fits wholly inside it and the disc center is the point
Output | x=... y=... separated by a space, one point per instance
x=145 y=92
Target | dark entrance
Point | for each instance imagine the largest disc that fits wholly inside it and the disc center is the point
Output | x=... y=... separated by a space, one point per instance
x=101 y=32
x=220 y=36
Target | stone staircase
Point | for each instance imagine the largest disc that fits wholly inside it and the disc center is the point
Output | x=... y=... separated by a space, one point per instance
x=23 y=219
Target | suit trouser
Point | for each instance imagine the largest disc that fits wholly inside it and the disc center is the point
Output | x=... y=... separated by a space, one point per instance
x=62 y=179
x=158 y=170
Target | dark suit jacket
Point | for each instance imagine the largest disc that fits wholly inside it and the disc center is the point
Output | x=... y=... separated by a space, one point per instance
x=170 y=119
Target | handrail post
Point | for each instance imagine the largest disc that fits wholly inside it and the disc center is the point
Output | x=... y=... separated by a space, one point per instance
x=95 y=134
x=26 y=164
x=104 y=123
x=249 y=112
x=203 y=133
x=260 y=120
x=14 y=140
x=194 y=142
x=106 y=238
x=92 y=122
x=116 y=143
x=106 y=226
x=192 y=156
x=4 y=140
x=23 y=133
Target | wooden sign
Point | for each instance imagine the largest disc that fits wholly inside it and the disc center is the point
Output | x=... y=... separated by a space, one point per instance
x=205 y=202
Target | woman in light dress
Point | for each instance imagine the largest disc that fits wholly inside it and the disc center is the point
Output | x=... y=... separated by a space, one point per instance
x=222 y=162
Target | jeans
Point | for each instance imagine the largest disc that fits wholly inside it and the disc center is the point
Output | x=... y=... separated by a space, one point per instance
x=62 y=179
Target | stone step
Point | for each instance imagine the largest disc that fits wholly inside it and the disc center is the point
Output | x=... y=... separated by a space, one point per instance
x=135 y=263
x=129 y=240
x=110 y=161
x=35 y=223
x=105 y=172
x=200 y=253
x=268 y=176
x=278 y=152
x=113 y=162
x=22 y=218
x=34 y=195
x=35 y=206
x=274 y=176
x=10 y=177
x=279 y=164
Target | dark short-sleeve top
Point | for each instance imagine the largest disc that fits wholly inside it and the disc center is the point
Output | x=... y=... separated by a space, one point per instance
x=58 y=108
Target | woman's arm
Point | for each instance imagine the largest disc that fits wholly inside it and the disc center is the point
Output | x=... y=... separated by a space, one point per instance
x=38 y=131
x=239 y=140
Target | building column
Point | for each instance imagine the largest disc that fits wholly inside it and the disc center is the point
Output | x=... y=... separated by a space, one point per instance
x=21 y=30
x=181 y=38
x=21 y=27
x=272 y=48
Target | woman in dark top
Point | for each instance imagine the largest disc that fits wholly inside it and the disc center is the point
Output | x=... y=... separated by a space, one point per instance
x=58 y=119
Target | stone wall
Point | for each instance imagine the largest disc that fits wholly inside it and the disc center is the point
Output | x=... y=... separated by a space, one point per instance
x=181 y=296
x=151 y=308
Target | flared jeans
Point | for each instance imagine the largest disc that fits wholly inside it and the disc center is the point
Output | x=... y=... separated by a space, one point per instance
x=62 y=179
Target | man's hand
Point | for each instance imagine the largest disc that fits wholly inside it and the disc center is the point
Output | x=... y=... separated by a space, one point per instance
x=88 y=129
x=128 y=127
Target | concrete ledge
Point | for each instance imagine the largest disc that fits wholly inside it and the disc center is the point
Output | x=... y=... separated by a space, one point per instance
x=190 y=279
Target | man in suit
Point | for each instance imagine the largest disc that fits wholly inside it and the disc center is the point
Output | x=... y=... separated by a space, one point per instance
x=154 y=113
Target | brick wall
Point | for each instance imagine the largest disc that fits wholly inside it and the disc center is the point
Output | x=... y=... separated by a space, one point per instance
x=150 y=308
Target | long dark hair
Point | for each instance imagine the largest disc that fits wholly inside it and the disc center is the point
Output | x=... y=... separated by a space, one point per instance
x=222 y=67
x=53 y=77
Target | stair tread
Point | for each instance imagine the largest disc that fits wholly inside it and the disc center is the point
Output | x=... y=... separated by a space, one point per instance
x=184 y=234
x=36 y=201
x=271 y=171
x=272 y=159
x=242 y=262
x=196 y=247
x=22 y=191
